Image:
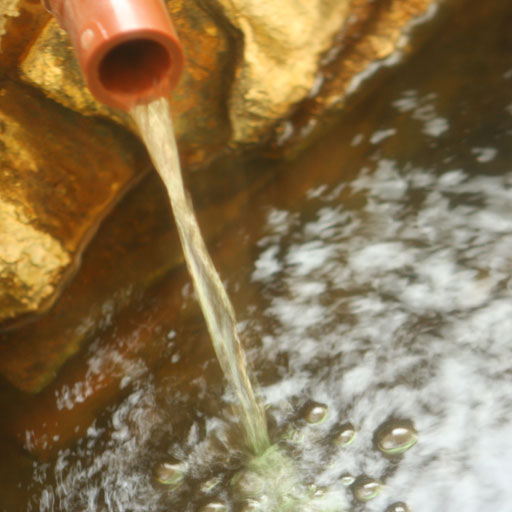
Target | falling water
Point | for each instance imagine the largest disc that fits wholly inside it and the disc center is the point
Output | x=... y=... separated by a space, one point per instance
x=155 y=125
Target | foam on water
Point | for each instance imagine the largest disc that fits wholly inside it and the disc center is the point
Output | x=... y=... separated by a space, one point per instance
x=383 y=312
x=414 y=319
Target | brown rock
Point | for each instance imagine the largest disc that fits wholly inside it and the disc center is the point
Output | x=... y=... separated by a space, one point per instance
x=31 y=263
x=136 y=247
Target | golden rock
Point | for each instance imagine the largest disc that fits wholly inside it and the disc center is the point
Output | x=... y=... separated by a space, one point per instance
x=31 y=261
x=54 y=192
x=51 y=65
x=8 y=8
x=282 y=47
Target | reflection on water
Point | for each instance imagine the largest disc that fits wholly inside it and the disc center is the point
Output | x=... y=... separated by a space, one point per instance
x=377 y=307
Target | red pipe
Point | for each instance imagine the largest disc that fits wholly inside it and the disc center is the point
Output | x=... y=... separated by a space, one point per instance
x=128 y=49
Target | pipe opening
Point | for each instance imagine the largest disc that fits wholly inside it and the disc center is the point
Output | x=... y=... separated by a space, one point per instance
x=134 y=67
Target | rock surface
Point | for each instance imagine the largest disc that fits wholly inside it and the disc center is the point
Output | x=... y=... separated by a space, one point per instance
x=54 y=192
x=282 y=48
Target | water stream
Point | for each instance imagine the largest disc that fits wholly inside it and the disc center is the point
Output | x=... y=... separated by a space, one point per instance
x=268 y=481
x=155 y=125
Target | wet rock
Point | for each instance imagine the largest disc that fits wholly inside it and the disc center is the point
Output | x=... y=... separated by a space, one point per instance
x=54 y=191
x=31 y=262
x=8 y=8
x=281 y=53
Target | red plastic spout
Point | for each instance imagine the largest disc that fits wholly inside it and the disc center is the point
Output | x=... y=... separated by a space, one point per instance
x=128 y=49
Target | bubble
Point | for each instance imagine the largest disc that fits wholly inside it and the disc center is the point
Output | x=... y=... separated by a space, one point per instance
x=168 y=473
x=316 y=413
x=399 y=506
x=214 y=506
x=366 y=488
x=394 y=437
x=345 y=434
x=347 y=479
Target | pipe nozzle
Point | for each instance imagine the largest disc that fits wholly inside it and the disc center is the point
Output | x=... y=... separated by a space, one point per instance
x=128 y=49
